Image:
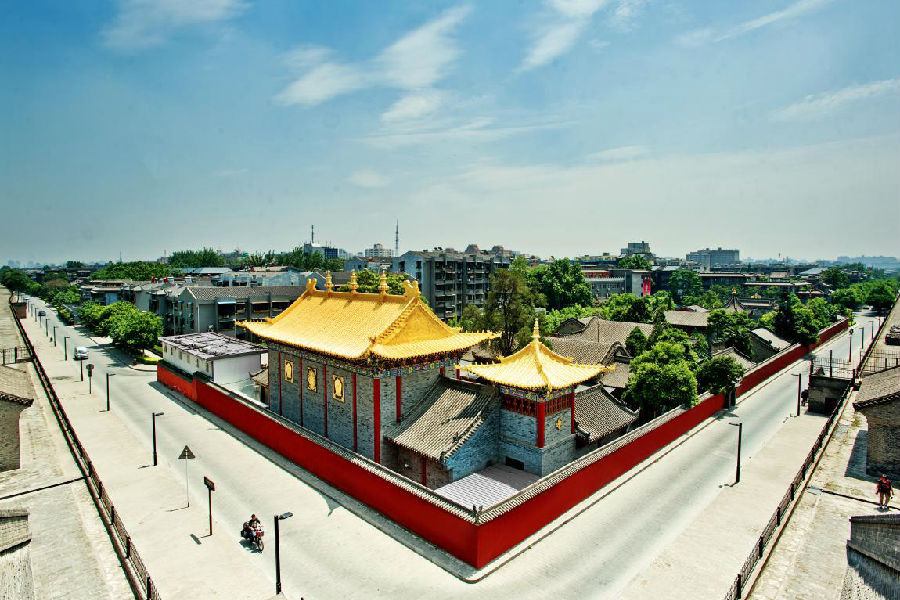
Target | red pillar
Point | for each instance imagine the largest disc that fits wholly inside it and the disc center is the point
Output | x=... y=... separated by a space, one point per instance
x=354 y=413
x=376 y=402
x=325 y=396
x=399 y=407
x=302 y=384
x=442 y=371
x=279 y=381
x=541 y=418
x=572 y=408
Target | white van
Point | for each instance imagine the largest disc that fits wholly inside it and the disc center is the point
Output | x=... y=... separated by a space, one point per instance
x=80 y=353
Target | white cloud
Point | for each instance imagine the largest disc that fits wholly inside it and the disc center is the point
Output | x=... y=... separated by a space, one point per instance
x=821 y=105
x=414 y=106
x=421 y=58
x=475 y=130
x=568 y=20
x=619 y=154
x=797 y=9
x=414 y=63
x=369 y=178
x=322 y=83
x=626 y=13
x=145 y=23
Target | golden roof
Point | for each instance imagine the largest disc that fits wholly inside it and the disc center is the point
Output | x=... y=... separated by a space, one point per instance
x=536 y=367
x=354 y=325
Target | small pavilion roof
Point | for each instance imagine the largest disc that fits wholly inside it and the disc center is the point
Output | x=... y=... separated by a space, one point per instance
x=354 y=325
x=536 y=367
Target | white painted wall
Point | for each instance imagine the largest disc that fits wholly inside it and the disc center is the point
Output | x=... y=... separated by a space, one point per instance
x=236 y=368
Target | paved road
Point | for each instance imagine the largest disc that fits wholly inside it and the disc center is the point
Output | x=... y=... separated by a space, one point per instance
x=330 y=551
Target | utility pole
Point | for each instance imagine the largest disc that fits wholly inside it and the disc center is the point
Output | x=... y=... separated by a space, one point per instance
x=799 y=386
x=156 y=414
x=278 y=518
x=737 y=471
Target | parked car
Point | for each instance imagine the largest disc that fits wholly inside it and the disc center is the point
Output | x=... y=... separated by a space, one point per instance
x=80 y=353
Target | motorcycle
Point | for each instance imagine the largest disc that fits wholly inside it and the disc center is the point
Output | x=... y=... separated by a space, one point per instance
x=254 y=535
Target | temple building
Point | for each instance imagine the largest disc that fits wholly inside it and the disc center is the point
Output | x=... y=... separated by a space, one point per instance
x=378 y=374
x=345 y=364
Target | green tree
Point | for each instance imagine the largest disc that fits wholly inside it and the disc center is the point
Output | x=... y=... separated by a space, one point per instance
x=881 y=294
x=836 y=277
x=731 y=329
x=17 y=281
x=134 y=329
x=74 y=264
x=134 y=271
x=617 y=306
x=794 y=322
x=509 y=310
x=205 y=257
x=634 y=262
x=661 y=379
x=639 y=311
x=561 y=283
x=719 y=375
x=636 y=342
x=709 y=300
x=368 y=282
x=684 y=282
x=847 y=298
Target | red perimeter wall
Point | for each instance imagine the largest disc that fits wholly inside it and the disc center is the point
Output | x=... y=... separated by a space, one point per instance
x=475 y=544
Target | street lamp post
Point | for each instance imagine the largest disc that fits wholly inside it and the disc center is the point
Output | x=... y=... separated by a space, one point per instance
x=737 y=470
x=54 y=335
x=278 y=518
x=799 y=377
x=156 y=414
x=850 y=357
x=90 y=370
x=66 y=347
x=108 y=375
x=81 y=364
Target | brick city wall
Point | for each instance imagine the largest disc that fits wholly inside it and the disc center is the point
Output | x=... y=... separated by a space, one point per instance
x=873 y=558
x=500 y=529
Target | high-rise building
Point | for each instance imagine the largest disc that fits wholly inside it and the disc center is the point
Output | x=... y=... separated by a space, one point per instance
x=714 y=257
x=378 y=251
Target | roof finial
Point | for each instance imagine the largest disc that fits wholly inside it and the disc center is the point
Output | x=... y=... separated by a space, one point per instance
x=382 y=285
x=734 y=291
x=536 y=334
x=328 y=285
x=353 y=285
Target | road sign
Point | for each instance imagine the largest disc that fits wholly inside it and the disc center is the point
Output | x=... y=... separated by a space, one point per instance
x=209 y=484
x=186 y=454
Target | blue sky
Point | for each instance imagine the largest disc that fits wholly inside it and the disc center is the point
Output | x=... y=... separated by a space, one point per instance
x=555 y=127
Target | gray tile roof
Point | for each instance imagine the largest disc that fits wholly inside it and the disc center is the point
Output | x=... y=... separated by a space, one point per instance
x=601 y=330
x=617 y=378
x=213 y=293
x=15 y=386
x=583 y=351
x=449 y=414
x=598 y=414
x=879 y=388
x=687 y=318
x=208 y=344
x=770 y=338
x=742 y=360
x=262 y=377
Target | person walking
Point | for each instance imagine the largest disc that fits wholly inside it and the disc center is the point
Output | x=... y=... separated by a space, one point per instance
x=883 y=489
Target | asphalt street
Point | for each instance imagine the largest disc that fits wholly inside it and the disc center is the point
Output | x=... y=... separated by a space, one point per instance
x=336 y=548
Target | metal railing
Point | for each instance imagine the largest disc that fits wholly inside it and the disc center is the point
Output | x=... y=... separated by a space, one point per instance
x=141 y=583
x=794 y=489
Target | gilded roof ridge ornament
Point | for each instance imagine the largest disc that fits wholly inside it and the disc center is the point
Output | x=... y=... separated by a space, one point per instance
x=354 y=286
x=311 y=284
x=536 y=334
x=383 y=285
x=329 y=286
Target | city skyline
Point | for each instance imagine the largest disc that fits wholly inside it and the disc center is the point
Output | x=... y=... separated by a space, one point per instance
x=240 y=124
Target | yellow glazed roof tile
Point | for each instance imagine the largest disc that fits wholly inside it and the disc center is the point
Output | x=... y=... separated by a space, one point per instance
x=536 y=367
x=354 y=325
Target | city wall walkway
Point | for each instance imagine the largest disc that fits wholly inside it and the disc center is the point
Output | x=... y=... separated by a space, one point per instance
x=71 y=554
x=172 y=537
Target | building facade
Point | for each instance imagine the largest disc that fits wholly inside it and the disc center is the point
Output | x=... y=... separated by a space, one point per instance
x=451 y=280
x=221 y=358
x=708 y=258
